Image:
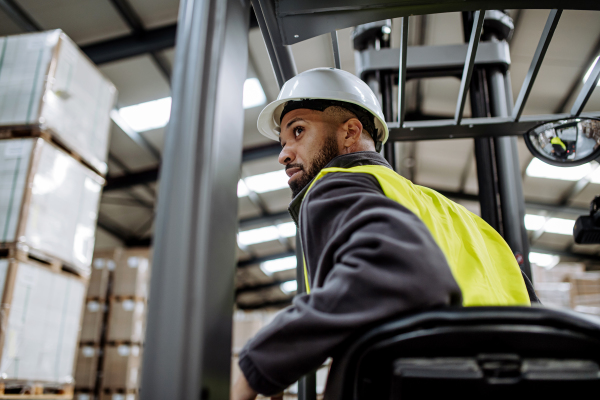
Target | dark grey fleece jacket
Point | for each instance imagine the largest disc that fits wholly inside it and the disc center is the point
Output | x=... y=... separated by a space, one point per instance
x=369 y=259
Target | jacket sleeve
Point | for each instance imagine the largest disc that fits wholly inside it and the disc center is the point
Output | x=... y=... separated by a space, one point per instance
x=369 y=258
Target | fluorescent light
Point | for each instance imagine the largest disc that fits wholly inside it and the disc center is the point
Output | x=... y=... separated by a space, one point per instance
x=560 y=226
x=289 y=287
x=280 y=264
x=589 y=72
x=242 y=189
x=156 y=113
x=539 y=169
x=287 y=230
x=267 y=182
x=259 y=235
x=534 y=222
x=145 y=116
x=552 y=225
x=254 y=94
x=544 y=260
x=267 y=233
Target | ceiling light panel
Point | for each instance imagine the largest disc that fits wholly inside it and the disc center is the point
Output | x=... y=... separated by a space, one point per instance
x=267 y=233
x=539 y=169
x=544 y=260
x=278 y=265
x=146 y=116
x=254 y=94
x=289 y=287
x=268 y=182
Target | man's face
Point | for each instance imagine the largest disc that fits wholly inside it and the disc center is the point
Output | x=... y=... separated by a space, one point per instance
x=309 y=140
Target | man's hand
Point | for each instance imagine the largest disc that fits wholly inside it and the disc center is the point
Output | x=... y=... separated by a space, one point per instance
x=242 y=390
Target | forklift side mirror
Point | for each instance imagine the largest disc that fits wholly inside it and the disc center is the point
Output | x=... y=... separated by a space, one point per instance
x=566 y=142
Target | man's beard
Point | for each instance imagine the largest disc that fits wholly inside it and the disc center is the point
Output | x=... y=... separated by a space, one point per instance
x=327 y=153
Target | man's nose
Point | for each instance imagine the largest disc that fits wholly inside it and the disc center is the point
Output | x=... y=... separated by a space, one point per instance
x=287 y=155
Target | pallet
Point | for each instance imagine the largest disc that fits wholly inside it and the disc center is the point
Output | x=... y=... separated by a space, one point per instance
x=31 y=390
x=26 y=254
x=20 y=132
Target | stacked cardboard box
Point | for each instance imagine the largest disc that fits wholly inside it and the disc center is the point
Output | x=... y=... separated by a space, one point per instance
x=109 y=364
x=54 y=127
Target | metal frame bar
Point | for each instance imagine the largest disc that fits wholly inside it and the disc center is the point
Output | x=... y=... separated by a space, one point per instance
x=402 y=71
x=336 y=50
x=283 y=54
x=468 y=69
x=536 y=63
x=188 y=339
x=586 y=91
x=262 y=24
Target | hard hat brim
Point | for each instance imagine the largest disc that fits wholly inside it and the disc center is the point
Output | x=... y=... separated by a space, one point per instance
x=268 y=120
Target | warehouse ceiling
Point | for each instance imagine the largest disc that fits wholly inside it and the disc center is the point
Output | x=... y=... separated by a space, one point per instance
x=105 y=30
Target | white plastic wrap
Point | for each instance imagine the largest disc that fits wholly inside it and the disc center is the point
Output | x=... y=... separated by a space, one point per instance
x=40 y=336
x=46 y=80
x=58 y=215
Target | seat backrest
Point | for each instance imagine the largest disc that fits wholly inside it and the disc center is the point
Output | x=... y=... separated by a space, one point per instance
x=473 y=352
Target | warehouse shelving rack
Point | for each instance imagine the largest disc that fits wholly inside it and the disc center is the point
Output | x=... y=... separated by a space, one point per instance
x=189 y=324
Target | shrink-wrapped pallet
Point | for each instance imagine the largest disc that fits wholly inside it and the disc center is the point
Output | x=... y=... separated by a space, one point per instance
x=121 y=369
x=40 y=326
x=126 y=320
x=132 y=273
x=47 y=82
x=93 y=318
x=48 y=202
x=86 y=369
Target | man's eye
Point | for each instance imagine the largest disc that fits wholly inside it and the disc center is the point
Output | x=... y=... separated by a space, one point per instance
x=298 y=130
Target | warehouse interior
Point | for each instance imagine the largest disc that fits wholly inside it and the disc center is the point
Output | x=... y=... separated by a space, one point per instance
x=132 y=42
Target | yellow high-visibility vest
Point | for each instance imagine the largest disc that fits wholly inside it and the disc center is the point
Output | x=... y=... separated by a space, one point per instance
x=480 y=260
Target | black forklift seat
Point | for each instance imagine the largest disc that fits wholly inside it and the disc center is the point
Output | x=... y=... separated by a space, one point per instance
x=473 y=353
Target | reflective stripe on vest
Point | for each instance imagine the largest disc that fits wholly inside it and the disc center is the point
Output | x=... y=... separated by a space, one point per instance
x=480 y=260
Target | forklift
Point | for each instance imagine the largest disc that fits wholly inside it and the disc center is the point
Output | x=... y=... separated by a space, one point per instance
x=474 y=352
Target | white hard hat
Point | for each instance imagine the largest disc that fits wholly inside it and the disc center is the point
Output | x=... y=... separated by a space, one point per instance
x=322 y=84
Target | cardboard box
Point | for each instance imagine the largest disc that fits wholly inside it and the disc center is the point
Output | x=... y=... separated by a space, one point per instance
x=126 y=320
x=46 y=81
x=48 y=202
x=558 y=273
x=132 y=273
x=122 y=367
x=86 y=369
x=585 y=289
x=104 y=263
x=93 y=319
x=40 y=328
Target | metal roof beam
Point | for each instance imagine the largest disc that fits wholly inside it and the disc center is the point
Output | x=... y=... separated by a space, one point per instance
x=536 y=63
x=131 y=45
x=19 y=16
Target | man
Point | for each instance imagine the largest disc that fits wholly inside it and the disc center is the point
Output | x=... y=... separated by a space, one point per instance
x=375 y=245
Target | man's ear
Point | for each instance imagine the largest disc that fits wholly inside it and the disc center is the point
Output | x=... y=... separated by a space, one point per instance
x=353 y=132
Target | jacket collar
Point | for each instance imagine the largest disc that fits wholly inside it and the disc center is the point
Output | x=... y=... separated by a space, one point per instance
x=344 y=161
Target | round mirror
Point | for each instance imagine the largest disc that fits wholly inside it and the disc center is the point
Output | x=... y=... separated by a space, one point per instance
x=566 y=142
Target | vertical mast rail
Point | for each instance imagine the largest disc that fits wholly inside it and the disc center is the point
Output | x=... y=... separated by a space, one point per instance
x=586 y=90
x=336 y=50
x=536 y=63
x=469 y=63
x=402 y=71
x=190 y=311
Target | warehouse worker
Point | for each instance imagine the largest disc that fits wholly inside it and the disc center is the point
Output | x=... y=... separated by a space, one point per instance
x=375 y=245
